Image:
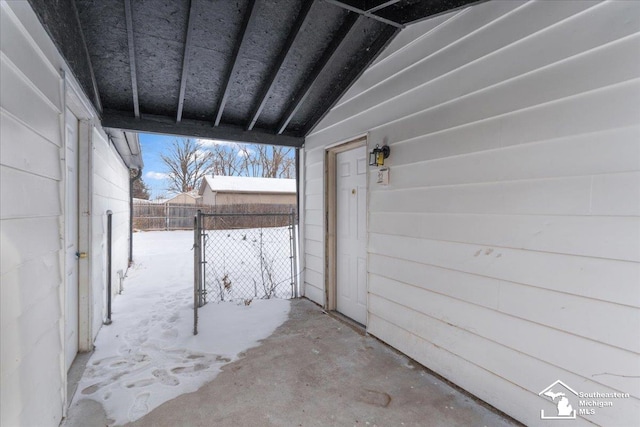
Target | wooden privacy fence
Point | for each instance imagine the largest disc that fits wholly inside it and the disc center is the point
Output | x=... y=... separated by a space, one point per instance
x=173 y=216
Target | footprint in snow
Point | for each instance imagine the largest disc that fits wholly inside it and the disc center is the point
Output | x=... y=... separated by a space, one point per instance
x=136 y=337
x=170 y=333
x=140 y=357
x=140 y=383
x=202 y=362
x=181 y=370
x=118 y=375
x=92 y=388
x=106 y=359
x=140 y=407
x=195 y=356
x=165 y=378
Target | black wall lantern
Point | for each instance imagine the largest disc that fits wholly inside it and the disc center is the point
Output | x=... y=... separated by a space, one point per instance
x=378 y=154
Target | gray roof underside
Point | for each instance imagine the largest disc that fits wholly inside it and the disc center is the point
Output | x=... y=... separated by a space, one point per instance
x=245 y=70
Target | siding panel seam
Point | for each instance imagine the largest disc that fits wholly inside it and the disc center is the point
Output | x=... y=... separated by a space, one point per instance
x=500 y=344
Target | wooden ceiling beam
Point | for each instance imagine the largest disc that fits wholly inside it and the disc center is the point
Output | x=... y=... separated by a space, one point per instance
x=128 y=12
x=302 y=94
x=186 y=57
x=166 y=125
x=249 y=16
x=275 y=70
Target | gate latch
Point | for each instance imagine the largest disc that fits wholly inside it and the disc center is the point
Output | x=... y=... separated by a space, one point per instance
x=81 y=255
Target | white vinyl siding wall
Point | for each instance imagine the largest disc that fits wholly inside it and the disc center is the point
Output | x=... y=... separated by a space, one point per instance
x=504 y=254
x=32 y=229
x=31 y=212
x=110 y=182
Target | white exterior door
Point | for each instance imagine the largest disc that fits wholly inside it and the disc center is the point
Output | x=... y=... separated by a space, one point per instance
x=351 y=230
x=71 y=238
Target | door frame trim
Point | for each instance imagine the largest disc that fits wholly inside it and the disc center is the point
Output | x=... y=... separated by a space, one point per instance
x=74 y=101
x=68 y=114
x=330 y=281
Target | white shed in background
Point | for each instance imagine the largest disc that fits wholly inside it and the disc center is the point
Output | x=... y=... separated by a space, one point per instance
x=504 y=252
x=229 y=190
x=59 y=175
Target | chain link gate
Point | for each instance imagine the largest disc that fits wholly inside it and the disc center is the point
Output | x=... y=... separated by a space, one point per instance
x=242 y=257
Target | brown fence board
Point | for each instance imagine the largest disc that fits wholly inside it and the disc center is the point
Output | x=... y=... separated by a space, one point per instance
x=174 y=216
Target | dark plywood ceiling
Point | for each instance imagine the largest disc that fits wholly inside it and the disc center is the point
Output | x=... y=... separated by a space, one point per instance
x=246 y=70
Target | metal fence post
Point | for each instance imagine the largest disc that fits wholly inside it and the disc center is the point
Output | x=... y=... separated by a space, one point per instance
x=262 y=259
x=294 y=253
x=203 y=261
x=167 y=219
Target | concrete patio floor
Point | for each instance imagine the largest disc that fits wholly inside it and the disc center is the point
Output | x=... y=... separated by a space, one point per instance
x=315 y=371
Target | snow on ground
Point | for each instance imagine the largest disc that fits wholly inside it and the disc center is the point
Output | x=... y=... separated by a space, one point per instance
x=248 y=263
x=149 y=355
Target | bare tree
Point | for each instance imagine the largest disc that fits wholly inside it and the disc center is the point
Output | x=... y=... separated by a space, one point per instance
x=186 y=165
x=188 y=162
x=266 y=161
x=225 y=160
x=249 y=164
x=288 y=167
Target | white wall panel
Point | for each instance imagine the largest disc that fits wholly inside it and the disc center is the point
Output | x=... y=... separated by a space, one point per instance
x=571 y=156
x=32 y=219
x=577 y=275
x=396 y=52
x=34 y=109
x=593 y=236
x=504 y=253
x=314 y=217
x=26 y=55
x=43 y=194
x=313 y=263
x=550 y=345
x=616 y=194
x=314 y=232
x=110 y=180
x=314 y=294
x=36 y=155
x=485 y=374
x=314 y=186
x=31 y=376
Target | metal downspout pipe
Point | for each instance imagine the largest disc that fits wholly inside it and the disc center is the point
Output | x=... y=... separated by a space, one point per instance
x=109 y=233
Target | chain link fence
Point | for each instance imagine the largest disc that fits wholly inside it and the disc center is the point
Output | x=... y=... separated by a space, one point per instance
x=242 y=257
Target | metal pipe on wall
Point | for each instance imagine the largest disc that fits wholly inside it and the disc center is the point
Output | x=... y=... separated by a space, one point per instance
x=109 y=232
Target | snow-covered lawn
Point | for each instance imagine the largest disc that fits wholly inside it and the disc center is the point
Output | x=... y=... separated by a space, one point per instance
x=148 y=355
